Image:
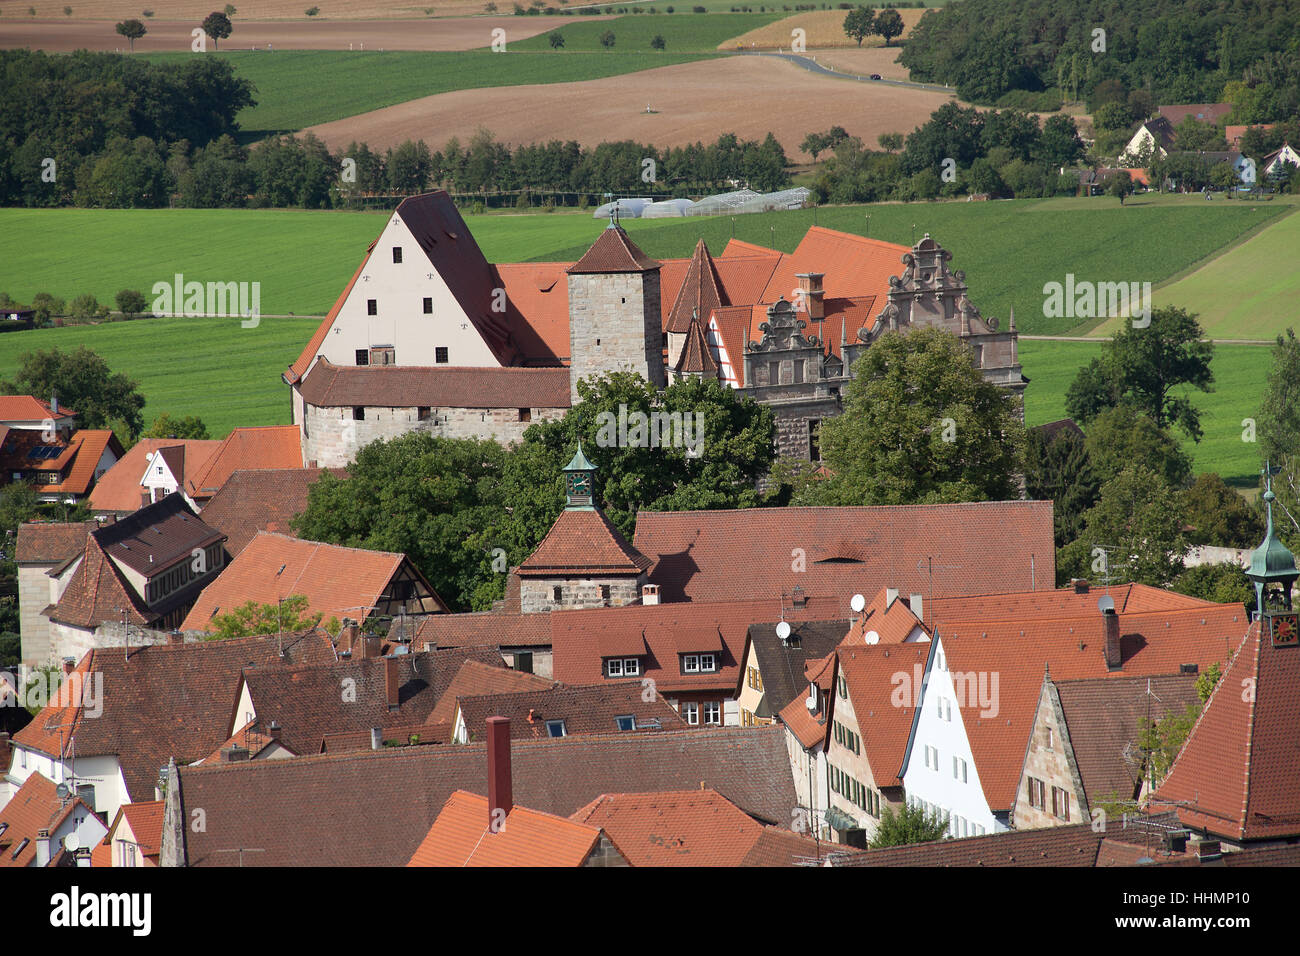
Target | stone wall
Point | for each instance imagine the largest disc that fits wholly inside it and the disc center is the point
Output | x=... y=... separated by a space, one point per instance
x=615 y=324
x=35 y=592
x=537 y=594
x=332 y=437
x=1048 y=761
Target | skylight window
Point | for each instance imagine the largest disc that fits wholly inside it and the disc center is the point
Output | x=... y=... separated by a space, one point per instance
x=626 y=722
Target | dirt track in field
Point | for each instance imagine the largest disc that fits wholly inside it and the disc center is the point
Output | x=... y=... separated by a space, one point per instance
x=465 y=33
x=114 y=10
x=692 y=101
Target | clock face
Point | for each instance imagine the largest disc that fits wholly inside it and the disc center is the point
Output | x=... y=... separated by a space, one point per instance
x=580 y=484
x=1286 y=633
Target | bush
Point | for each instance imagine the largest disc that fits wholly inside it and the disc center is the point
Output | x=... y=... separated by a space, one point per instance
x=312 y=11
x=699 y=10
x=130 y=302
x=147 y=13
x=87 y=307
x=47 y=306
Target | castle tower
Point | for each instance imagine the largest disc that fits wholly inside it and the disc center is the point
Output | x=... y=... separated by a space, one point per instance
x=615 y=322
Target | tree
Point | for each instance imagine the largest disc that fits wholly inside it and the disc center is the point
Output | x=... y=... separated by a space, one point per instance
x=1059 y=145
x=859 y=23
x=1219 y=515
x=921 y=425
x=46 y=306
x=909 y=824
x=1138 y=517
x=1146 y=366
x=132 y=30
x=82 y=381
x=557 y=41
x=1058 y=469
x=889 y=24
x=1279 y=413
x=890 y=142
x=252 y=619
x=813 y=144
x=86 y=307
x=607 y=39
x=1113 y=116
x=1122 y=436
x=165 y=426
x=657 y=42
x=230 y=10
x=131 y=302
x=217 y=25
x=1221 y=583
x=1121 y=185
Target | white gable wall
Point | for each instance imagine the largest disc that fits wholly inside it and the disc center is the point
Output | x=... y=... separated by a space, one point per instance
x=399 y=290
x=956 y=799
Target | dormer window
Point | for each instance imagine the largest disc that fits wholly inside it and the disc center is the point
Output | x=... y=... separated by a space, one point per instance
x=699 y=663
x=622 y=667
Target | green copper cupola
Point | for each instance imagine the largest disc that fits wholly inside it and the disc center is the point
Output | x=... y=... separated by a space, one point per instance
x=579 y=482
x=1272 y=565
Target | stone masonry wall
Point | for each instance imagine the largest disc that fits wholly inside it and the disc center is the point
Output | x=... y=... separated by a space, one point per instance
x=536 y=594
x=615 y=324
x=333 y=437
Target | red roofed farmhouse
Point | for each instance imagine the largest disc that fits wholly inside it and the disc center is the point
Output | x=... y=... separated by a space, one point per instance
x=430 y=336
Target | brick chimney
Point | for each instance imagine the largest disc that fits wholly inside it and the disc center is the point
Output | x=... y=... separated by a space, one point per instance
x=348 y=636
x=43 y=847
x=69 y=665
x=234 y=754
x=393 y=682
x=649 y=594
x=1080 y=585
x=500 y=786
x=1207 y=850
x=810 y=284
x=275 y=730
x=1110 y=633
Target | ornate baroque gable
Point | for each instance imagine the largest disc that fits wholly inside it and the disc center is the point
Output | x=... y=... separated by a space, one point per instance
x=783 y=331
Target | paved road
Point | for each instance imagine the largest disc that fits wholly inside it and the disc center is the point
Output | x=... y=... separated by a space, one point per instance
x=812 y=66
x=1103 y=338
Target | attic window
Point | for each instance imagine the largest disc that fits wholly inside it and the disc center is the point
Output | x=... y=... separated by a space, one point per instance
x=440 y=355
x=372 y=306
x=19 y=849
x=358 y=413
x=555 y=728
x=397 y=254
x=428 y=305
x=363 y=356
x=626 y=722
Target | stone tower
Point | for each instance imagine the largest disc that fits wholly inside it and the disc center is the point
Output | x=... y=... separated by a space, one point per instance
x=615 y=321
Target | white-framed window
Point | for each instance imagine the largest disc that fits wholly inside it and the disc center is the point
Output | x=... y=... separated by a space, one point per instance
x=691 y=663
x=691 y=712
x=622 y=667
x=1050 y=738
x=625 y=722
x=713 y=712
x=959 y=769
x=699 y=663
x=932 y=757
x=555 y=728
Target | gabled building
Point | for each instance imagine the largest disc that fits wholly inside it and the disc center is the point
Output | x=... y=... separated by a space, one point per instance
x=137 y=577
x=268 y=446
x=141 y=476
x=260 y=499
x=134 y=838
x=1275 y=163
x=40 y=548
x=561 y=710
x=60 y=466
x=338 y=582
x=40 y=824
x=775 y=661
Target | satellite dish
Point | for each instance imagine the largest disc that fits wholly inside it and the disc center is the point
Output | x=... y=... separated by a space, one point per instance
x=783 y=630
x=872 y=637
x=71 y=843
x=62 y=791
x=1107 y=603
x=811 y=704
x=858 y=602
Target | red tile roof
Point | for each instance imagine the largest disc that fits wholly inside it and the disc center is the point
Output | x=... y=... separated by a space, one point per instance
x=1203 y=112
x=461 y=837
x=266 y=499
x=885 y=727
x=928 y=549
x=695 y=356
x=36 y=806
x=119 y=488
x=1238 y=775
x=439 y=386
x=891 y=625
x=613 y=251
x=484 y=627
x=852 y=265
x=270 y=446
x=51 y=542
x=157 y=537
x=25 y=408
x=811 y=730
x=1075 y=845
x=676 y=828
x=338 y=582
x=700 y=292
x=590 y=709
x=87 y=447
x=477 y=679
x=247 y=737
x=583 y=539
x=1055 y=603
x=1153 y=642
x=146 y=822
x=98 y=592
x=538 y=297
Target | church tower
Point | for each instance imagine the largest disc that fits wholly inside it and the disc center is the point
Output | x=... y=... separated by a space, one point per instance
x=615 y=322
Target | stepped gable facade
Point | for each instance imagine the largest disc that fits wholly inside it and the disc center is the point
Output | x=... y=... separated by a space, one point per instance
x=429 y=336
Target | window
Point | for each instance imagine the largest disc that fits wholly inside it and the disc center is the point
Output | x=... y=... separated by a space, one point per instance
x=440 y=355
x=428 y=305
x=422 y=413
x=1036 y=793
x=525 y=414
x=1049 y=738
x=773 y=373
x=844 y=688
x=19 y=849
x=626 y=722
x=691 y=663
x=623 y=667
x=798 y=372
x=691 y=712
x=363 y=356
x=614 y=667
x=605 y=592
x=397 y=254
x=1060 y=803
x=383 y=355
x=712 y=712
x=959 y=769
x=372 y=306
x=358 y=413
x=555 y=728
x=524 y=662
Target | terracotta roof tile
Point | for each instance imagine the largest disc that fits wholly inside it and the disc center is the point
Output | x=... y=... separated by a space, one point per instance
x=696 y=357
x=783 y=664
x=119 y=488
x=700 y=292
x=146 y=821
x=590 y=709
x=248 y=737
x=613 y=251
x=25 y=408
x=338 y=582
x=1056 y=603
x=156 y=537
x=538 y=298
x=461 y=836
x=51 y=542
x=852 y=265
x=439 y=386
x=87 y=447
x=777 y=847
x=929 y=549
x=583 y=539
x=886 y=728
x=259 y=803
x=809 y=729
x=484 y=627
x=477 y=679
x=265 y=499
x=34 y=807
x=674 y=828
x=1238 y=775
x=270 y=446
x=1075 y=845
x=98 y=592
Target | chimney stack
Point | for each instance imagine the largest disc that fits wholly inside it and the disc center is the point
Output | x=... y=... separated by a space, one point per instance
x=1080 y=585
x=43 y=847
x=918 y=608
x=393 y=682
x=649 y=594
x=1110 y=630
x=891 y=595
x=275 y=730
x=810 y=284
x=1207 y=851
x=54 y=404
x=234 y=754
x=145 y=496
x=69 y=665
x=500 y=787
x=348 y=635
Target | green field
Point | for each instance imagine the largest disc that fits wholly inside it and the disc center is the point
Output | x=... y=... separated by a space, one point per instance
x=693 y=32
x=1239 y=382
x=212 y=368
x=1247 y=293
x=299 y=88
